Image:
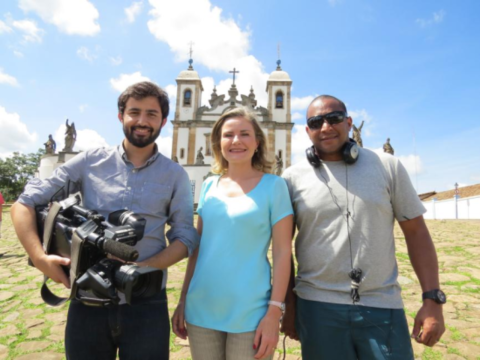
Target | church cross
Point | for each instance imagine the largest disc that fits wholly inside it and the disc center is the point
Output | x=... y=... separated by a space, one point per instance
x=234 y=72
x=191 y=49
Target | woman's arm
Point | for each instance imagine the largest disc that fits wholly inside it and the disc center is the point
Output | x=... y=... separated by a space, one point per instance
x=178 y=319
x=266 y=337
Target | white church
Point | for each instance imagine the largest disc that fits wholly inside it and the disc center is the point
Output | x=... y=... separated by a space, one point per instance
x=193 y=121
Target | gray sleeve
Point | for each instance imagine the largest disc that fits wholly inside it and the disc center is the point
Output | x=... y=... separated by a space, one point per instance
x=181 y=214
x=405 y=201
x=39 y=192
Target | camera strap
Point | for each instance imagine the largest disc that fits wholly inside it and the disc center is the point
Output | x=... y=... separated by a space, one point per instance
x=47 y=295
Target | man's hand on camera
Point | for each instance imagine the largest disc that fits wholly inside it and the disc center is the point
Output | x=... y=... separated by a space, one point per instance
x=50 y=266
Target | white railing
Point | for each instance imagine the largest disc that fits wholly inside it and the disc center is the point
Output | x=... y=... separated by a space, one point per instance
x=456 y=208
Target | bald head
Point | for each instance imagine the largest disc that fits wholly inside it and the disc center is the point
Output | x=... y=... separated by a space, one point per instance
x=322 y=98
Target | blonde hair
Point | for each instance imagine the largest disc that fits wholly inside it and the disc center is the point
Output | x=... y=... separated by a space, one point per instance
x=259 y=159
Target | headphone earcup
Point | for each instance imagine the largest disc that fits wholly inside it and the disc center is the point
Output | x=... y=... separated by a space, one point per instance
x=350 y=152
x=312 y=157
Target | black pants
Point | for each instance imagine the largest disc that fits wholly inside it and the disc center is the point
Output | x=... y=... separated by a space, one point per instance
x=138 y=332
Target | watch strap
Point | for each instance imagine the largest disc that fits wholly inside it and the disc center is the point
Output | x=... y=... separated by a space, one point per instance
x=278 y=304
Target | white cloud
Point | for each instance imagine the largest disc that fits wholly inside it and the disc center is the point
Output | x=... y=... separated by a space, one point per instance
x=4 y=28
x=133 y=11
x=83 y=107
x=300 y=142
x=164 y=143
x=125 y=80
x=14 y=134
x=297 y=116
x=177 y=24
x=301 y=103
x=412 y=163
x=86 y=139
x=172 y=96
x=115 y=61
x=212 y=33
x=475 y=177
x=436 y=18
x=31 y=32
x=362 y=115
x=7 y=79
x=18 y=53
x=84 y=53
x=73 y=17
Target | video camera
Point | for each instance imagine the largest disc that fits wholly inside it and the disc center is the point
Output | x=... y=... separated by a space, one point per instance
x=86 y=238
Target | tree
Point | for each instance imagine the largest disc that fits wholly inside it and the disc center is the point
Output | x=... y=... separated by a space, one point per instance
x=15 y=172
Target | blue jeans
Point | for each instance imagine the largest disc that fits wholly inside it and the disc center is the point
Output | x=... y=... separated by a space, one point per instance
x=138 y=332
x=350 y=332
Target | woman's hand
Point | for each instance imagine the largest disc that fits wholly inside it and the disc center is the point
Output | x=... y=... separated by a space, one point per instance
x=266 y=336
x=178 y=321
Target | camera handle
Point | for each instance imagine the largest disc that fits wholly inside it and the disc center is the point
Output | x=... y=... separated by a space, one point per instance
x=77 y=244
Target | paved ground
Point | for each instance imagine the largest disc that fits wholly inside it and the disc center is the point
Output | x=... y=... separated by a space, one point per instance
x=31 y=330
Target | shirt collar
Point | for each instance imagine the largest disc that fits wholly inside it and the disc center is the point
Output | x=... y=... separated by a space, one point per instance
x=123 y=154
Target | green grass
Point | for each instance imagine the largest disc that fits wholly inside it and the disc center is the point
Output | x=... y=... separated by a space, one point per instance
x=431 y=354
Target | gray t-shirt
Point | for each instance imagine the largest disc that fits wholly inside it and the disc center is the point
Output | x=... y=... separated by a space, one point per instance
x=379 y=191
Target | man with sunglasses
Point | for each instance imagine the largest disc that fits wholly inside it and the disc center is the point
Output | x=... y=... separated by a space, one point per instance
x=347 y=302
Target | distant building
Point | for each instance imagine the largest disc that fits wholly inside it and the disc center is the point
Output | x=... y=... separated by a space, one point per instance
x=459 y=203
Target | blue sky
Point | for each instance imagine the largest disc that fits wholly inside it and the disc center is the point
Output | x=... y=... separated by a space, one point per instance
x=409 y=69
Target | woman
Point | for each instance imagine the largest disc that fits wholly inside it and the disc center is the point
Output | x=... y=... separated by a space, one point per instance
x=228 y=302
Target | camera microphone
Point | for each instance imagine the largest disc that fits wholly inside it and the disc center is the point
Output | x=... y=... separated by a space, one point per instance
x=120 y=250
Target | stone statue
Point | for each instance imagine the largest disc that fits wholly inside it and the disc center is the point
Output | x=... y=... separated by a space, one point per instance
x=70 y=137
x=357 y=134
x=50 y=145
x=388 y=148
x=278 y=165
x=200 y=157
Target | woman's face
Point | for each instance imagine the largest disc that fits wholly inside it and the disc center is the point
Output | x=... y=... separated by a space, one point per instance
x=238 y=141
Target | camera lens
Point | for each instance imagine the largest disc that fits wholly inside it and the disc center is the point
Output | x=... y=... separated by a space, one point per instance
x=137 y=282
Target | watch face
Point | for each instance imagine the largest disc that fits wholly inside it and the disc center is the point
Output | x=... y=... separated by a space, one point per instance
x=441 y=297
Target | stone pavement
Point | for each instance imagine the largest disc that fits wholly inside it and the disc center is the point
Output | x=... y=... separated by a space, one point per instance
x=31 y=330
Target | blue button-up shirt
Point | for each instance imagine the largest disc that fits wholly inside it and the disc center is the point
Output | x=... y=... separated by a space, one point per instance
x=159 y=191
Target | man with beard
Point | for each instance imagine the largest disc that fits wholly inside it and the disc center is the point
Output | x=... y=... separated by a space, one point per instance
x=133 y=176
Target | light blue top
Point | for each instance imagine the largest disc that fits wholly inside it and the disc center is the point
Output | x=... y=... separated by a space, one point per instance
x=231 y=286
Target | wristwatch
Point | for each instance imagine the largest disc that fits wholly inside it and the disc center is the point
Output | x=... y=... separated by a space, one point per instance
x=279 y=304
x=436 y=295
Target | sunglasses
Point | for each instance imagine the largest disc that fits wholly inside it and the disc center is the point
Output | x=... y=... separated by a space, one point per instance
x=333 y=118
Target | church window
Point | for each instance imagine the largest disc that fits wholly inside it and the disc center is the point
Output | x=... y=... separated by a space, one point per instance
x=182 y=153
x=187 y=97
x=279 y=100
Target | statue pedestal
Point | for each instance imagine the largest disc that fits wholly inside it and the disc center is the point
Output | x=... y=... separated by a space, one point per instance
x=49 y=162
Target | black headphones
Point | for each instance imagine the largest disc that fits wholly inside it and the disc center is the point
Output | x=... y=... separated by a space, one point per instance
x=349 y=154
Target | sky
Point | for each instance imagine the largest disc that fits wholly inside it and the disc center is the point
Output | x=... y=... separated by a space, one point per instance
x=408 y=69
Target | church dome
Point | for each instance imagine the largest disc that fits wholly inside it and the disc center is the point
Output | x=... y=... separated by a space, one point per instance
x=279 y=75
x=188 y=75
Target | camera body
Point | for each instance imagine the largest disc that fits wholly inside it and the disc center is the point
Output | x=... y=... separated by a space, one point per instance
x=87 y=239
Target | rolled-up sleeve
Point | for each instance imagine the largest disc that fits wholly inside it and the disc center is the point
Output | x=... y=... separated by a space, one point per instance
x=39 y=192
x=181 y=214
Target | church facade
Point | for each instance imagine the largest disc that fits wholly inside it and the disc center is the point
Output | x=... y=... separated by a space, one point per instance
x=194 y=121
